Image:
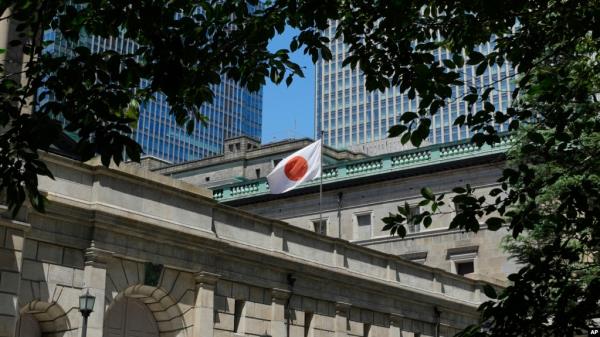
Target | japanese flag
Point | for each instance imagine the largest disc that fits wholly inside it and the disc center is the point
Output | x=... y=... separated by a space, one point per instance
x=302 y=165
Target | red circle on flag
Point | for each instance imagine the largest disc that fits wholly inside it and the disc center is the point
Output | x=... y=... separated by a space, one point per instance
x=295 y=168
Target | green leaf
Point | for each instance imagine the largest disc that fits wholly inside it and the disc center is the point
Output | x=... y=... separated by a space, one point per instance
x=427 y=193
x=449 y=64
x=397 y=130
x=487 y=106
x=459 y=190
x=494 y=223
x=481 y=68
x=458 y=60
x=536 y=137
x=489 y=291
x=475 y=57
x=408 y=116
x=460 y=120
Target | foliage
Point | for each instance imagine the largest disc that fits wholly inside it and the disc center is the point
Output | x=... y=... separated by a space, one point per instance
x=550 y=190
x=552 y=193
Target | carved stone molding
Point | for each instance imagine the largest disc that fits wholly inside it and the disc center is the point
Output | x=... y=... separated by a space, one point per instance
x=342 y=307
x=395 y=319
x=280 y=294
x=206 y=278
x=97 y=257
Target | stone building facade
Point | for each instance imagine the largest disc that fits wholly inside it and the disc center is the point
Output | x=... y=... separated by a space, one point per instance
x=164 y=259
x=359 y=191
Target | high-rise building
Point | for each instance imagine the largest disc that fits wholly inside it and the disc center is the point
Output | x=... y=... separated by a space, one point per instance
x=349 y=114
x=235 y=111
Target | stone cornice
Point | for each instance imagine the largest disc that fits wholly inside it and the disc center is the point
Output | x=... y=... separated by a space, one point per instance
x=95 y=256
x=342 y=307
x=206 y=278
x=15 y=224
x=280 y=294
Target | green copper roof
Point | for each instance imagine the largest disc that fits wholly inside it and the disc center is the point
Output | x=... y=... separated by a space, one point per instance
x=372 y=166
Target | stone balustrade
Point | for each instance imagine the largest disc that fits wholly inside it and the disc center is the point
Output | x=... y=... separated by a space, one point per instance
x=384 y=164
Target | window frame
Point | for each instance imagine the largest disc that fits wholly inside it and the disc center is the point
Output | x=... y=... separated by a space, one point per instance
x=324 y=221
x=357 y=225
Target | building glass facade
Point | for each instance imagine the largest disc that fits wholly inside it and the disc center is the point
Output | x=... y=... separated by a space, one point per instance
x=348 y=114
x=235 y=111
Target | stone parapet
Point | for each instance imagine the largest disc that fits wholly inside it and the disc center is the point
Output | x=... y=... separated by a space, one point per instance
x=174 y=207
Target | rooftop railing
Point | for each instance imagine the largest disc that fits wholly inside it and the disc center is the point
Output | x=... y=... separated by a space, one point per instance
x=372 y=166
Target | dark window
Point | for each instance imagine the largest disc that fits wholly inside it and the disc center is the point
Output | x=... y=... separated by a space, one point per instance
x=366 y=329
x=207 y=179
x=257 y=173
x=320 y=227
x=237 y=315
x=464 y=268
x=307 y=323
x=412 y=226
x=364 y=226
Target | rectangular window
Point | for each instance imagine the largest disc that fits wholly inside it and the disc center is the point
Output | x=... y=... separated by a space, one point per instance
x=465 y=267
x=320 y=226
x=238 y=316
x=363 y=222
x=414 y=227
x=463 y=259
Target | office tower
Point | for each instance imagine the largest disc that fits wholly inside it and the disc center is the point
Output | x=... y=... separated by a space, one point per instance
x=235 y=111
x=350 y=115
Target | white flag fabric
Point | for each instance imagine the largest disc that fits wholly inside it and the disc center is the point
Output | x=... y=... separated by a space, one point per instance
x=302 y=165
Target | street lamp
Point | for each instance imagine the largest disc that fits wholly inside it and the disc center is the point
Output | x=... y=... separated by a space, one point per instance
x=86 y=306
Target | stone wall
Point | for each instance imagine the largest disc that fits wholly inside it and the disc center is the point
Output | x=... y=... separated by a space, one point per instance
x=204 y=269
x=380 y=198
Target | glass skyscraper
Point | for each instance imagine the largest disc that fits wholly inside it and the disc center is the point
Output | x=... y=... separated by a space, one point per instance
x=235 y=111
x=349 y=115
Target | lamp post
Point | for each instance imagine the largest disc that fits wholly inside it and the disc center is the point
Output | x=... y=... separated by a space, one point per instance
x=86 y=306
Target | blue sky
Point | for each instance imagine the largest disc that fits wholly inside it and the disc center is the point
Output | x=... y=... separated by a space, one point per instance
x=288 y=112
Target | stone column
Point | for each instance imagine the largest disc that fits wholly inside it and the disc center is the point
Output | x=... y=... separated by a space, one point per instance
x=12 y=239
x=342 y=312
x=395 y=325
x=94 y=281
x=204 y=309
x=279 y=298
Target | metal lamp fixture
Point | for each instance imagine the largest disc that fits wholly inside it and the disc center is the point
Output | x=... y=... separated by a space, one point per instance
x=86 y=306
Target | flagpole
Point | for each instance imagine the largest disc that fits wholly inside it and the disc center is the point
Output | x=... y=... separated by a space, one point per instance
x=321 y=188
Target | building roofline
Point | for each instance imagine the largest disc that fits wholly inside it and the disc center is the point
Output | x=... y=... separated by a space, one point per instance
x=433 y=158
x=284 y=145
